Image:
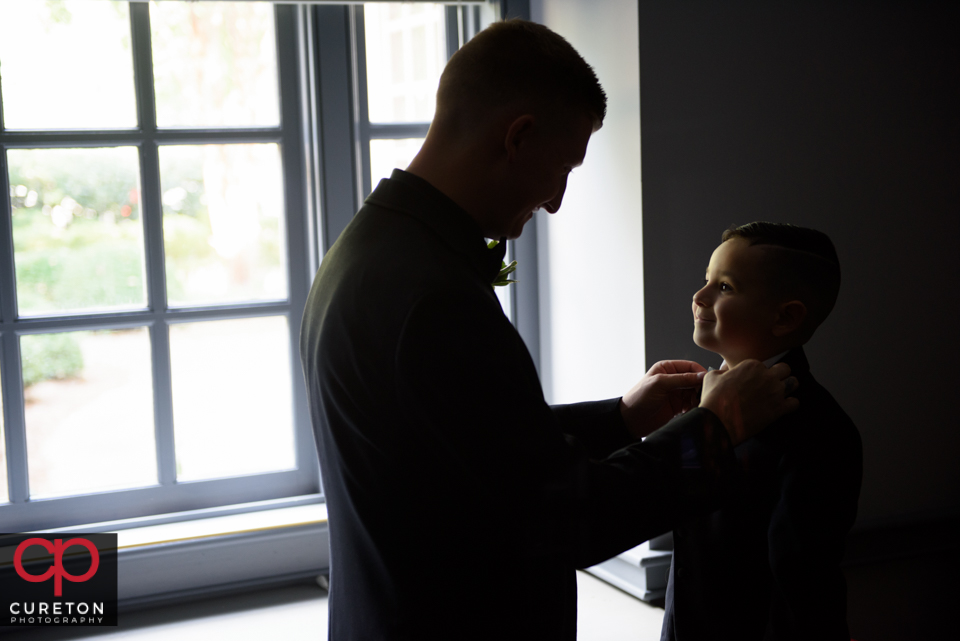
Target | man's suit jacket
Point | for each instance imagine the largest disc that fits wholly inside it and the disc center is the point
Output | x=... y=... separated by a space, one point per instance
x=459 y=502
x=767 y=564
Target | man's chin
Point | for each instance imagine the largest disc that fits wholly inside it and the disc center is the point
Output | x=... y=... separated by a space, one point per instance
x=514 y=234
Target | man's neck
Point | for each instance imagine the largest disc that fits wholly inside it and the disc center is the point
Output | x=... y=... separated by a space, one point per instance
x=463 y=170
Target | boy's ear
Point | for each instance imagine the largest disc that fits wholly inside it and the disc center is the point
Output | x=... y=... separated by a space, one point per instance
x=790 y=317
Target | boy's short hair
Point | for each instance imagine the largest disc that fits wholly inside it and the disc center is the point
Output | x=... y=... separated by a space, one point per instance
x=805 y=266
x=518 y=62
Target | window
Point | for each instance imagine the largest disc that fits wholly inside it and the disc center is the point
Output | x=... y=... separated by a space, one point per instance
x=170 y=175
x=153 y=259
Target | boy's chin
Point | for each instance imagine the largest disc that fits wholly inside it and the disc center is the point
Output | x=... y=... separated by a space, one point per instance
x=710 y=346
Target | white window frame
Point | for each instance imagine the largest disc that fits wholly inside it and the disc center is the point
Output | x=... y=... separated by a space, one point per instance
x=325 y=155
x=22 y=513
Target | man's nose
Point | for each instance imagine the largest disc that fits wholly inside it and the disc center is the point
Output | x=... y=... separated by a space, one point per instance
x=554 y=205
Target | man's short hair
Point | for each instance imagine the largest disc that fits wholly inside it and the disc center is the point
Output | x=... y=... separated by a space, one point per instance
x=518 y=63
x=804 y=266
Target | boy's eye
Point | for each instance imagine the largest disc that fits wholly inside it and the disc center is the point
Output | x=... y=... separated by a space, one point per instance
x=724 y=287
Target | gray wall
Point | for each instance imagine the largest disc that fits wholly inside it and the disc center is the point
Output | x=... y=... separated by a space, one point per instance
x=591 y=328
x=843 y=117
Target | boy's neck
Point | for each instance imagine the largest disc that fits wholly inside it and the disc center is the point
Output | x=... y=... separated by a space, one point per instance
x=768 y=358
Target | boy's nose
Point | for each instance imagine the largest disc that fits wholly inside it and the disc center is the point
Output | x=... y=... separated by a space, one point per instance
x=699 y=297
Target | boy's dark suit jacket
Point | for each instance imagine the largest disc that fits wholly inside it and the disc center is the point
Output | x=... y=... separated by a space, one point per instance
x=767 y=564
x=460 y=503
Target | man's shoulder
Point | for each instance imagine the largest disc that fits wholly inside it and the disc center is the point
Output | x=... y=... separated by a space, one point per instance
x=386 y=249
x=377 y=233
x=382 y=264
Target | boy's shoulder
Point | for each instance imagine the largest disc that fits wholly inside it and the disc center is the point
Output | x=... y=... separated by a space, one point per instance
x=819 y=411
x=820 y=431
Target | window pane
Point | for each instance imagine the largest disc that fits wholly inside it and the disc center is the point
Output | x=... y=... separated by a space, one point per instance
x=214 y=64
x=223 y=223
x=89 y=411
x=4 y=493
x=231 y=397
x=385 y=155
x=406 y=51
x=77 y=233
x=47 y=52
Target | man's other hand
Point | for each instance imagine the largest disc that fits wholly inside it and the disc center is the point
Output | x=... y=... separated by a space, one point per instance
x=749 y=397
x=667 y=389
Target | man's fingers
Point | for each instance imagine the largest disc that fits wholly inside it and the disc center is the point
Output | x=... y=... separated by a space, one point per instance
x=790 y=385
x=782 y=370
x=749 y=397
x=676 y=367
x=681 y=381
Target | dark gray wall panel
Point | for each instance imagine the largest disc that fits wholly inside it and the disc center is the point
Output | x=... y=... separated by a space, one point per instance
x=843 y=117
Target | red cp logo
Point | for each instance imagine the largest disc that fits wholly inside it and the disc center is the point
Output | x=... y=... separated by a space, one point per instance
x=56 y=570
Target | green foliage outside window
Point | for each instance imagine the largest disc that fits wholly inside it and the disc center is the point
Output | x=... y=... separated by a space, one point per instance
x=82 y=269
x=77 y=233
x=50 y=357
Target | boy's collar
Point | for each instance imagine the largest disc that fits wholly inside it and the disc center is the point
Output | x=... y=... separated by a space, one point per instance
x=770 y=362
x=773 y=360
x=796 y=358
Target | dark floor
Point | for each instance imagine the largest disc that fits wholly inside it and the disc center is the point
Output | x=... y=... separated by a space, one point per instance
x=299 y=612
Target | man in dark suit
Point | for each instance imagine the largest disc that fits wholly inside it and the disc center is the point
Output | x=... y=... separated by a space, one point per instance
x=459 y=502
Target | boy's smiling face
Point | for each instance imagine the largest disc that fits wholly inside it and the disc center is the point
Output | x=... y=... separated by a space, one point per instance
x=734 y=313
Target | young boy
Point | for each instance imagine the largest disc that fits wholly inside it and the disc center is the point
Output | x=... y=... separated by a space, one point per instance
x=766 y=565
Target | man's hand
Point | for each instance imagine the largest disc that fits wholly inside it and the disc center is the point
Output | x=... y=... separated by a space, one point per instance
x=749 y=397
x=668 y=389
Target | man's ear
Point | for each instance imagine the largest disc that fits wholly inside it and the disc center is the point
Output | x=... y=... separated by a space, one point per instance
x=790 y=316
x=518 y=133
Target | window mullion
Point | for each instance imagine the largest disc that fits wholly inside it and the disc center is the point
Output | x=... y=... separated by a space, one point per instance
x=454 y=28
x=143 y=67
x=14 y=425
x=127 y=137
x=163 y=403
x=297 y=213
x=335 y=100
x=152 y=212
x=8 y=281
x=361 y=113
x=381 y=131
x=310 y=139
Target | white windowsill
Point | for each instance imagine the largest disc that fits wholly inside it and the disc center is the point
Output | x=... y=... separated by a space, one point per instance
x=218 y=521
x=206 y=552
x=219 y=526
